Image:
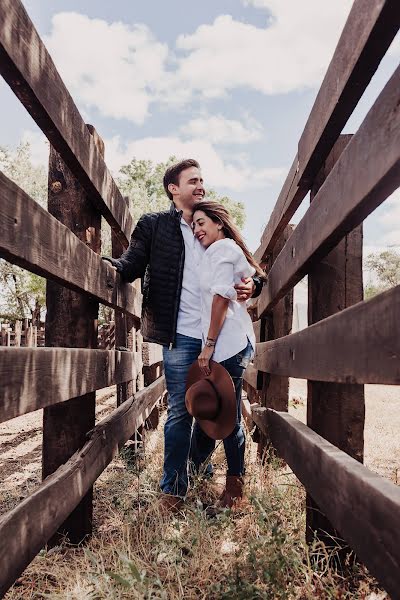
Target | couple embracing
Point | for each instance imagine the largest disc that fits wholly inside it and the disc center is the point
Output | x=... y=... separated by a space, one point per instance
x=197 y=274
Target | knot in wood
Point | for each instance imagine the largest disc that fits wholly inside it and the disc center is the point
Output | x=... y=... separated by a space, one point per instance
x=56 y=187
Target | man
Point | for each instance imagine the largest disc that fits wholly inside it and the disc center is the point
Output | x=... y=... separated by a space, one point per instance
x=164 y=252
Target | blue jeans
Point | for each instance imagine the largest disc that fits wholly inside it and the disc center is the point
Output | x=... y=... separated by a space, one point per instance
x=234 y=444
x=178 y=426
x=178 y=438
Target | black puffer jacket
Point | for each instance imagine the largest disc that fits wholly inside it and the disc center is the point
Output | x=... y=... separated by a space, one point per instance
x=156 y=254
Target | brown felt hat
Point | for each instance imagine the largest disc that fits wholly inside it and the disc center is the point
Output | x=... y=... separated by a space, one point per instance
x=211 y=400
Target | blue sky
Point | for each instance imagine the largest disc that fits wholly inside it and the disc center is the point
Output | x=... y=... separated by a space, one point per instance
x=230 y=82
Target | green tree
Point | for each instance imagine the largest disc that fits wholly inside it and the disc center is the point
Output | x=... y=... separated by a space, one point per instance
x=22 y=293
x=386 y=267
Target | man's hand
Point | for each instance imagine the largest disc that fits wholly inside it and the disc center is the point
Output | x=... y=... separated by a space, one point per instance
x=245 y=289
x=107 y=260
x=204 y=359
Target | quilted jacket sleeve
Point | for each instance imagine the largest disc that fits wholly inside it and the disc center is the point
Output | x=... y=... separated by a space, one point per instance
x=133 y=262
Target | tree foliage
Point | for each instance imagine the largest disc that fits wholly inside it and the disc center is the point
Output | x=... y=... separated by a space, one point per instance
x=386 y=268
x=22 y=293
x=142 y=182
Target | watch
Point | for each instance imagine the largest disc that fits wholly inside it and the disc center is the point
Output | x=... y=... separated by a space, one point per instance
x=210 y=343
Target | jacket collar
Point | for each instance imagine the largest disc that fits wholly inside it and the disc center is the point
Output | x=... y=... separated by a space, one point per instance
x=174 y=212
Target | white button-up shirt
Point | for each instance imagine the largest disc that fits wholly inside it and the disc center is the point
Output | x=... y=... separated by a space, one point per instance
x=189 y=314
x=222 y=267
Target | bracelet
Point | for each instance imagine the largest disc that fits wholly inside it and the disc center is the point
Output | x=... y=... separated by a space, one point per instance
x=210 y=343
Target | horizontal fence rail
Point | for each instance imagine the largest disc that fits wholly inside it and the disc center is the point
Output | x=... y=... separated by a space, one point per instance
x=35 y=378
x=35 y=240
x=361 y=505
x=26 y=529
x=29 y=70
x=366 y=173
x=360 y=344
x=369 y=30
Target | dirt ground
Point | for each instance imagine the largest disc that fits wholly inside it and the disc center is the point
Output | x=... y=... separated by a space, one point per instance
x=21 y=448
x=382 y=425
x=21 y=438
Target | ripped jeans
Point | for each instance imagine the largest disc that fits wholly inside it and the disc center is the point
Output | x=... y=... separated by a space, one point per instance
x=234 y=444
x=179 y=440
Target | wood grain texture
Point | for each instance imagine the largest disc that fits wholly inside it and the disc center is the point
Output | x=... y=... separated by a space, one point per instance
x=30 y=72
x=335 y=410
x=361 y=505
x=253 y=377
x=26 y=529
x=361 y=344
x=367 y=172
x=368 y=32
x=32 y=378
x=152 y=354
x=33 y=239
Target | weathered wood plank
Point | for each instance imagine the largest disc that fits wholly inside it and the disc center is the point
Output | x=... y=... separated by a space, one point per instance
x=361 y=344
x=259 y=416
x=152 y=354
x=367 y=172
x=30 y=72
x=259 y=329
x=246 y=414
x=361 y=505
x=26 y=529
x=368 y=32
x=253 y=377
x=71 y=322
x=33 y=239
x=335 y=410
x=32 y=378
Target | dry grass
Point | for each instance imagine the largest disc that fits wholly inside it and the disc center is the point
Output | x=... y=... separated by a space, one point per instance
x=256 y=552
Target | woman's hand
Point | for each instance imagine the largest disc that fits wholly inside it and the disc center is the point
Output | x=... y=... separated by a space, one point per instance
x=245 y=289
x=204 y=359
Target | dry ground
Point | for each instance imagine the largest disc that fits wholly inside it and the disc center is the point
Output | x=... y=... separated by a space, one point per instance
x=137 y=553
x=382 y=425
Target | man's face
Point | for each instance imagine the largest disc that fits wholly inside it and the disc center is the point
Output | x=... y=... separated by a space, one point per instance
x=190 y=188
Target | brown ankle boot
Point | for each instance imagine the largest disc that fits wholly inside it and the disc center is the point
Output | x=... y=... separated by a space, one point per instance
x=170 y=504
x=232 y=494
x=233 y=491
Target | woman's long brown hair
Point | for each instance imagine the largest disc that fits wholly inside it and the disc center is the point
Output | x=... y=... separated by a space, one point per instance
x=219 y=214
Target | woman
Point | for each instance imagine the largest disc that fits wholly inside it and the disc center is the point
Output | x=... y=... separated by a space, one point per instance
x=227 y=330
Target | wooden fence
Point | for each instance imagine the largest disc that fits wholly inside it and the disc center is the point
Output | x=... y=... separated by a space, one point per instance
x=21 y=334
x=63 y=244
x=348 y=178
x=349 y=342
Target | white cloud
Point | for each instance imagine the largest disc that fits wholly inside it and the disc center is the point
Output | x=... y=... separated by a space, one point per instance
x=291 y=52
x=219 y=130
x=239 y=175
x=112 y=67
x=121 y=69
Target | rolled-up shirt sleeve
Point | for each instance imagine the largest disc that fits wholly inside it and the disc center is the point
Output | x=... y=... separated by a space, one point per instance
x=222 y=277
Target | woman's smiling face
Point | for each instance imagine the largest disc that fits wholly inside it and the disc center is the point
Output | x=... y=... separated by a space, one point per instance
x=205 y=229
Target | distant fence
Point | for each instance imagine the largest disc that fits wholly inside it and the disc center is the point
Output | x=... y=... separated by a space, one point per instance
x=63 y=245
x=349 y=342
x=21 y=334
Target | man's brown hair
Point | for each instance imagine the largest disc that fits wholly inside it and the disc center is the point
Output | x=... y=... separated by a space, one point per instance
x=173 y=172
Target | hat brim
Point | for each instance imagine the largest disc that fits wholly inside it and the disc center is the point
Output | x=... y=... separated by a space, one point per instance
x=224 y=423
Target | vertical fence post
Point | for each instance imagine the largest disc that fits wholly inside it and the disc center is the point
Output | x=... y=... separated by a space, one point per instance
x=124 y=329
x=277 y=323
x=335 y=411
x=71 y=322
